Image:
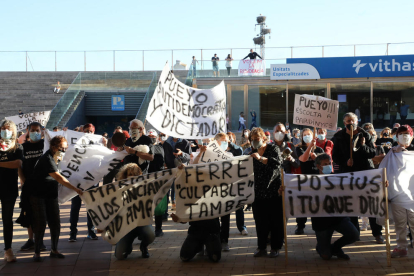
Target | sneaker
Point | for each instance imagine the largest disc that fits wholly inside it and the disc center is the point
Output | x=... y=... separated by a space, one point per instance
x=28 y=245
x=225 y=246
x=379 y=239
x=397 y=252
x=43 y=247
x=273 y=253
x=299 y=231
x=9 y=256
x=173 y=205
x=260 y=253
x=159 y=233
x=92 y=236
x=342 y=256
x=244 y=232
x=72 y=238
x=363 y=228
x=201 y=253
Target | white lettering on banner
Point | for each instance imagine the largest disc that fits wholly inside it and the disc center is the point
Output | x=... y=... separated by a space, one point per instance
x=212 y=190
x=24 y=120
x=121 y=206
x=252 y=67
x=337 y=195
x=400 y=177
x=315 y=111
x=185 y=112
x=293 y=71
x=73 y=138
x=214 y=153
x=85 y=165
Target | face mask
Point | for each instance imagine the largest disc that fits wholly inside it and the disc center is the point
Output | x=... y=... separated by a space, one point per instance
x=386 y=135
x=321 y=136
x=327 y=169
x=135 y=134
x=404 y=139
x=307 y=139
x=268 y=138
x=257 y=144
x=6 y=134
x=59 y=156
x=246 y=135
x=35 y=136
x=279 y=136
x=374 y=138
x=164 y=138
x=153 y=140
x=348 y=126
x=394 y=137
x=224 y=146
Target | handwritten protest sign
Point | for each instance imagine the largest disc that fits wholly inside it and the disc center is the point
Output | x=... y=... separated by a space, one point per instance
x=185 y=112
x=85 y=165
x=252 y=67
x=337 y=195
x=121 y=206
x=73 y=138
x=207 y=191
x=24 y=120
x=214 y=153
x=315 y=111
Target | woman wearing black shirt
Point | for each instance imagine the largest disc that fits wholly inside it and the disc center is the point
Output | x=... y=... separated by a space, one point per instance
x=307 y=153
x=267 y=206
x=11 y=156
x=43 y=200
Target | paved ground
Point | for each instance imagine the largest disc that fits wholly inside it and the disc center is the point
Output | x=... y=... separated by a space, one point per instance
x=86 y=257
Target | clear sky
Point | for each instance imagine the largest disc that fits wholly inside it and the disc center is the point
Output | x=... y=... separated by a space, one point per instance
x=151 y=25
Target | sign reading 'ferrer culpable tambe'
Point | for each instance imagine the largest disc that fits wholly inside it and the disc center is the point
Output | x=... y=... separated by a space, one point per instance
x=181 y=111
x=315 y=111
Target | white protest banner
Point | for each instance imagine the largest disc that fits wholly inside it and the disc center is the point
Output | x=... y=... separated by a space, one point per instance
x=85 y=165
x=214 y=153
x=24 y=120
x=315 y=111
x=73 y=138
x=337 y=195
x=400 y=178
x=252 y=67
x=181 y=111
x=211 y=190
x=121 y=206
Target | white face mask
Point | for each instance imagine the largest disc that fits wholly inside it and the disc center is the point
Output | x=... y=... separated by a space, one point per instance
x=279 y=136
x=404 y=139
x=164 y=138
x=246 y=134
x=5 y=145
x=135 y=134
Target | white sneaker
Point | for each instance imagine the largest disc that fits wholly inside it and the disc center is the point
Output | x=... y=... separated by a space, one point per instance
x=244 y=232
x=225 y=246
x=9 y=256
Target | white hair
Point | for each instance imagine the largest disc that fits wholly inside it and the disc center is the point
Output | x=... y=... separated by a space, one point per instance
x=139 y=122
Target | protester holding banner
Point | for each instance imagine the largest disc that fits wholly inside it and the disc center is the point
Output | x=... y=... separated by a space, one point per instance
x=363 y=150
x=32 y=151
x=324 y=143
x=288 y=151
x=44 y=202
x=324 y=227
x=109 y=144
x=253 y=55
x=11 y=157
x=267 y=206
x=307 y=153
x=402 y=216
x=144 y=233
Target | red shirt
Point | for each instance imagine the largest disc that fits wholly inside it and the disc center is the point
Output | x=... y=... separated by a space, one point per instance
x=326 y=145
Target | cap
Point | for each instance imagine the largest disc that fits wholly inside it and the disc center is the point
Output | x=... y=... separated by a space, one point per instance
x=267 y=133
x=152 y=132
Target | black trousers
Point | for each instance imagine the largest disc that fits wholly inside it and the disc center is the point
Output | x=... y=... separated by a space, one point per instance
x=225 y=225
x=376 y=229
x=74 y=216
x=7 y=207
x=45 y=210
x=268 y=216
x=194 y=243
x=158 y=222
x=301 y=222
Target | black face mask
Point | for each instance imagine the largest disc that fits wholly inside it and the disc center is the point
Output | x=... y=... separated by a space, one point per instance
x=348 y=126
x=385 y=135
x=153 y=140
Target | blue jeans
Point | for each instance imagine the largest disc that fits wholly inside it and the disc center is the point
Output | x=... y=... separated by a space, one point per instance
x=324 y=246
x=124 y=246
x=253 y=125
x=242 y=126
x=393 y=119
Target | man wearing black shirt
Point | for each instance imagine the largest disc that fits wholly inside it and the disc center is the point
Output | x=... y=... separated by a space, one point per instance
x=32 y=151
x=325 y=226
x=215 y=61
x=252 y=55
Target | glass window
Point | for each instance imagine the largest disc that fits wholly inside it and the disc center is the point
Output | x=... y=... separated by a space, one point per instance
x=237 y=106
x=392 y=103
x=352 y=97
x=318 y=89
x=269 y=103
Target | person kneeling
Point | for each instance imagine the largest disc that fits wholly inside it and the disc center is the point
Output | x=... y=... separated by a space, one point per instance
x=325 y=226
x=201 y=233
x=144 y=233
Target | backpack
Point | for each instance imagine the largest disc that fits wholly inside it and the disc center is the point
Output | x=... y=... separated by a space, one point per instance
x=294 y=170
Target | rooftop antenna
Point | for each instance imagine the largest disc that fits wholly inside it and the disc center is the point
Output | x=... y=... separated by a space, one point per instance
x=260 y=39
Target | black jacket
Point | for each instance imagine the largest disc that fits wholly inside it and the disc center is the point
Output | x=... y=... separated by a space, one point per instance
x=253 y=55
x=362 y=157
x=169 y=157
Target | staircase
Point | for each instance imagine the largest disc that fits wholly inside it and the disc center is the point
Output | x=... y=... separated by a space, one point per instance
x=31 y=91
x=72 y=108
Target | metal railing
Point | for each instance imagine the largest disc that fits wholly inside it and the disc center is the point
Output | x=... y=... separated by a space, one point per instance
x=142 y=112
x=151 y=60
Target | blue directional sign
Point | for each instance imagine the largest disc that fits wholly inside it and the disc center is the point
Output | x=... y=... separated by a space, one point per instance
x=118 y=102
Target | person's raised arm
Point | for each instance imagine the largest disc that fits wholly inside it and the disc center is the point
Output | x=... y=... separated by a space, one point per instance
x=259 y=56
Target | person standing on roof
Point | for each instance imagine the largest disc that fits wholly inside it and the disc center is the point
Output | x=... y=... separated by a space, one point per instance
x=253 y=55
